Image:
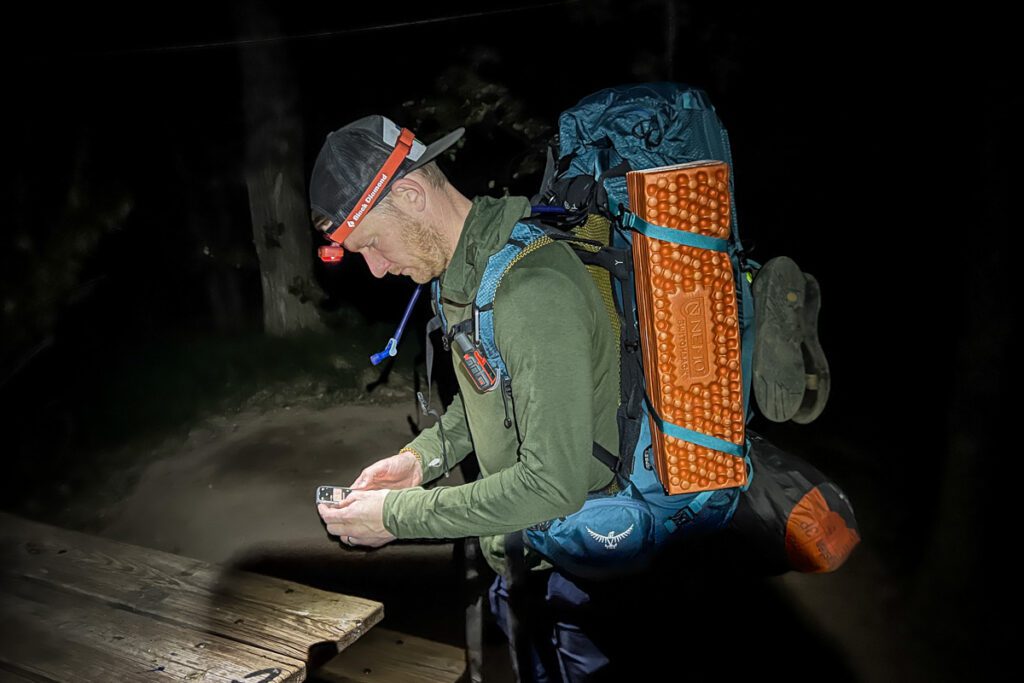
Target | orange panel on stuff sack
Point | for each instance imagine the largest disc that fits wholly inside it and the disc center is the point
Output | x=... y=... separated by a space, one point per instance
x=817 y=537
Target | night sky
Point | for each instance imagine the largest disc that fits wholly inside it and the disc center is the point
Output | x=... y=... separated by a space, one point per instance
x=870 y=146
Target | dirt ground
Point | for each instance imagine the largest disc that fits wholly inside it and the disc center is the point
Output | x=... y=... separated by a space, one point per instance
x=238 y=491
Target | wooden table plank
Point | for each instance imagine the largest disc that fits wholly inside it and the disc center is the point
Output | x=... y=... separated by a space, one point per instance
x=281 y=617
x=70 y=637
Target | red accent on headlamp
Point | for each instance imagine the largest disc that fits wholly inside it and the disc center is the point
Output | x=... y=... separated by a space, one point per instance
x=331 y=253
x=369 y=197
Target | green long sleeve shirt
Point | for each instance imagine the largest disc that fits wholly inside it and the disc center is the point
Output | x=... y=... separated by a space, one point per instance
x=555 y=338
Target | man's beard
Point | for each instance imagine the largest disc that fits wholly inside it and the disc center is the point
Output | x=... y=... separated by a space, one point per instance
x=426 y=242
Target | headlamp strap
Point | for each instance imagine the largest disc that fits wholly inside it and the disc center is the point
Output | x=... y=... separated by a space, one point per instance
x=376 y=187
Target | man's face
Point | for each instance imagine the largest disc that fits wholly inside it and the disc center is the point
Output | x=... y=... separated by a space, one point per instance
x=399 y=244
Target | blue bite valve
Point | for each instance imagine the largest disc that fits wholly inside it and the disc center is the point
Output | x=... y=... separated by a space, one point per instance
x=390 y=350
x=392 y=346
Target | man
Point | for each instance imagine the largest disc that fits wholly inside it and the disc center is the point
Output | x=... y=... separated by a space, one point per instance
x=375 y=190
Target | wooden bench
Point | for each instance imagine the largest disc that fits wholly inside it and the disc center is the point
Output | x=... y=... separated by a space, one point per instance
x=385 y=656
x=76 y=607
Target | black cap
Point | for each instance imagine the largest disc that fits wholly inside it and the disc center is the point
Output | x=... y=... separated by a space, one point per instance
x=351 y=157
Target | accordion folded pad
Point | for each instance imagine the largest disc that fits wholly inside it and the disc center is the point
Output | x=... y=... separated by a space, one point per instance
x=689 y=326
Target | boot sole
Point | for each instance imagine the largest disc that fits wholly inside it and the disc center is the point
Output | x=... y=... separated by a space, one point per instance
x=779 y=375
x=818 y=378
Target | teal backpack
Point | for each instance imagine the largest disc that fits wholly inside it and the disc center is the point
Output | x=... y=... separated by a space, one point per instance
x=583 y=201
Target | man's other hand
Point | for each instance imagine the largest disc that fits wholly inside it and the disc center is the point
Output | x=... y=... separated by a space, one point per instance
x=400 y=471
x=358 y=519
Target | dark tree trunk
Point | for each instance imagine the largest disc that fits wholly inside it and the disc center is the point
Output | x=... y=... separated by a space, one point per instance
x=275 y=179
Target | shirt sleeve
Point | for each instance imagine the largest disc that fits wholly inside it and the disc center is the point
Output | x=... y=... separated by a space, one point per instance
x=547 y=349
x=458 y=441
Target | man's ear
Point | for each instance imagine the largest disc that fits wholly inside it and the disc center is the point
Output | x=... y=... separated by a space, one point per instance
x=409 y=194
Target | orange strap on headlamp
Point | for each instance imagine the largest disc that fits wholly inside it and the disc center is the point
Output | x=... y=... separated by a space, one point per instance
x=334 y=252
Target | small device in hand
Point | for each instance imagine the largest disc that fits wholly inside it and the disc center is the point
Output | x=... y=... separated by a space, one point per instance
x=331 y=495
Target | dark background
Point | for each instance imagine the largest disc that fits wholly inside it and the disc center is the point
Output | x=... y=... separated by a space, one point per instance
x=871 y=146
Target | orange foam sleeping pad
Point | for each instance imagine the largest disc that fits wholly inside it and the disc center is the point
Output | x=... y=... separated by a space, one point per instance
x=689 y=328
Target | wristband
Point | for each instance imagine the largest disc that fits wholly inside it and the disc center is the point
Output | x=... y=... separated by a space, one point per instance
x=414 y=452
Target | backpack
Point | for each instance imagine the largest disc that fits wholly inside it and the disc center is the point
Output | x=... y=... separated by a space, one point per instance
x=583 y=201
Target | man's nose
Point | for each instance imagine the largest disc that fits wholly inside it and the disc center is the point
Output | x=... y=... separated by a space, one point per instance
x=377 y=264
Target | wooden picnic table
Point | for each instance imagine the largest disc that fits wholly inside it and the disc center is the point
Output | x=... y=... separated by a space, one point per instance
x=76 y=607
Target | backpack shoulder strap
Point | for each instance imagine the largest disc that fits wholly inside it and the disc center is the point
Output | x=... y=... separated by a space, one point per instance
x=525 y=239
x=435 y=303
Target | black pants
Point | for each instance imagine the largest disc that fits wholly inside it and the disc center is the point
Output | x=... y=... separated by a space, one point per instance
x=568 y=636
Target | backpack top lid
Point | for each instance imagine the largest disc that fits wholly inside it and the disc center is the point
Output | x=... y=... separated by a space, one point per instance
x=646 y=125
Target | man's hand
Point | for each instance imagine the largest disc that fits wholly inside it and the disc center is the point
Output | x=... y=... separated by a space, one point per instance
x=358 y=519
x=400 y=471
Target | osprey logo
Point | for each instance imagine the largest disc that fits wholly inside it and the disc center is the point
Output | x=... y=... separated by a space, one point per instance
x=612 y=540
